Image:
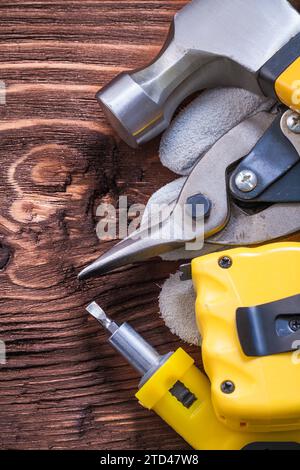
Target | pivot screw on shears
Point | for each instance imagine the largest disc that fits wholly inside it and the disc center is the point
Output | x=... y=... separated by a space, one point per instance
x=198 y=206
x=246 y=181
x=293 y=123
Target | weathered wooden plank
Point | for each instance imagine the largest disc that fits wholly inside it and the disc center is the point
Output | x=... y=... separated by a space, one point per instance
x=63 y=387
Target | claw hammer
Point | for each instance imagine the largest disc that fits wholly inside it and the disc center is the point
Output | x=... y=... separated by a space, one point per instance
x=253 y=45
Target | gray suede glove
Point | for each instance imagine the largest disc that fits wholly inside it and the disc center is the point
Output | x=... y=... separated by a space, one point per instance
x=192 y=133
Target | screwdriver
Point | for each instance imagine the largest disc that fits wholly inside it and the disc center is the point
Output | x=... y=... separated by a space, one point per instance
x=171 y=386
x=140 y=354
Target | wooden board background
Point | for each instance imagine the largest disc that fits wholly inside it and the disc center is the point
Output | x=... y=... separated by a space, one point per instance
x=63 y=387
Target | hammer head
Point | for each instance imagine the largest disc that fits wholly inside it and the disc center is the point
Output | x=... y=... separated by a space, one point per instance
x=211 y=43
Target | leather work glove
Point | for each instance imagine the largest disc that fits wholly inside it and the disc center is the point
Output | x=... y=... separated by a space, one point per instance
x=192 y=133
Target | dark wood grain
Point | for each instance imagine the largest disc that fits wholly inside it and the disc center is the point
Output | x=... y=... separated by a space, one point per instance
x=63 y=387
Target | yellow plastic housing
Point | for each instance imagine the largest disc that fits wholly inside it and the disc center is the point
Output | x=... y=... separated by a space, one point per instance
x=198 y=425
x=287 y=86
x=266 y=396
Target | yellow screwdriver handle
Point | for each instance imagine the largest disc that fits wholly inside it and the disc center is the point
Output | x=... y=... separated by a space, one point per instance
x=198 y=425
